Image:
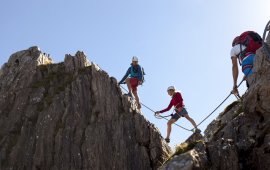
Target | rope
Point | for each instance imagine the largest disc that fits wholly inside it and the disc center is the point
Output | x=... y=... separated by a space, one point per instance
x=265 y=46
x=214 y=110
x=236 y=95
x=264 y=34
x=267 y=28
x=159 y=117
x=164 y=117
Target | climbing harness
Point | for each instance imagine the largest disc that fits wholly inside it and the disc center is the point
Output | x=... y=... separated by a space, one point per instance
x=236 y=95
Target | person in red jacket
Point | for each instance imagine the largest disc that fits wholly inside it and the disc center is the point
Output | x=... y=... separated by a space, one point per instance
x=243 y=50
x=178 y=103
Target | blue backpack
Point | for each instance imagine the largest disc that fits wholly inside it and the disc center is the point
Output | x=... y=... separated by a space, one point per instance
x=135 y=71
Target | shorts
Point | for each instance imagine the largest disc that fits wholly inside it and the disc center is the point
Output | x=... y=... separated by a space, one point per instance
x=247 y=64
x=134 y=82
x=176 y=116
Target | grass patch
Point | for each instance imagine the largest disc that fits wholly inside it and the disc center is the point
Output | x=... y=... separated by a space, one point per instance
x=43 y=68
x=45 y=82
x=238 y=111
x=229 y=107
x=53 y=83
x=67 y=79
x=38 y=84
x=83 y=70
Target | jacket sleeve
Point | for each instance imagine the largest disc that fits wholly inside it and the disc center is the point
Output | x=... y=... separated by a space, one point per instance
x=168 y=108
x=125 y=76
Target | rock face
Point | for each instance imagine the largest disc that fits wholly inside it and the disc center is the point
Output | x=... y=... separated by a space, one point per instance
x=239 y=138
x=70 y=115
x=195 y=158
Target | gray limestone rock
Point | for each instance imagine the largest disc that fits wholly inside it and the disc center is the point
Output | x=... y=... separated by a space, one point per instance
x=70 y=115
x=195 y=158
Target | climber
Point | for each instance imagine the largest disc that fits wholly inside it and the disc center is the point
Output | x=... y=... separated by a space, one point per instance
x=178 y=103
x=244 y=49
x=133 y=78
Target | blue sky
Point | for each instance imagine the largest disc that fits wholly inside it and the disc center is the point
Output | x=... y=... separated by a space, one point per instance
x=181 y=43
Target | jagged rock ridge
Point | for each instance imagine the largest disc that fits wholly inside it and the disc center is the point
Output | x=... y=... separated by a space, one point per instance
x=70 y=115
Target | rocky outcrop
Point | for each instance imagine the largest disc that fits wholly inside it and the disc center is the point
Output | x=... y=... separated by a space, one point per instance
x=75 y=63
x=70 y=115
x=193 y=155
x=239 y=138
x=192 y=159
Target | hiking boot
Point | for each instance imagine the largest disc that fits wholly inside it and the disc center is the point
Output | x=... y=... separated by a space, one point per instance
x=167 y=140
x=196 y=130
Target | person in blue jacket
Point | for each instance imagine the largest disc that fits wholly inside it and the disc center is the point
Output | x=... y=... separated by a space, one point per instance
x=133 y=78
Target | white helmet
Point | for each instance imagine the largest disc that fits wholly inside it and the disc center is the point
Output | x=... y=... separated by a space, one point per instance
x=134 y=58
x=170 y=88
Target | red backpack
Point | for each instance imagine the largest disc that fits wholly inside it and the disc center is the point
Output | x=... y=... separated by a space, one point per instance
x=250 y=39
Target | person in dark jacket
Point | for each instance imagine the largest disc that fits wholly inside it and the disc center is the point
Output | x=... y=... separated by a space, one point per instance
x=133 y=78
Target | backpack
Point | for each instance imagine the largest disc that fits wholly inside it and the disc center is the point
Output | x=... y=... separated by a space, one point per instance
x=143 y=73
x=252 y=41
x=134 y=71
